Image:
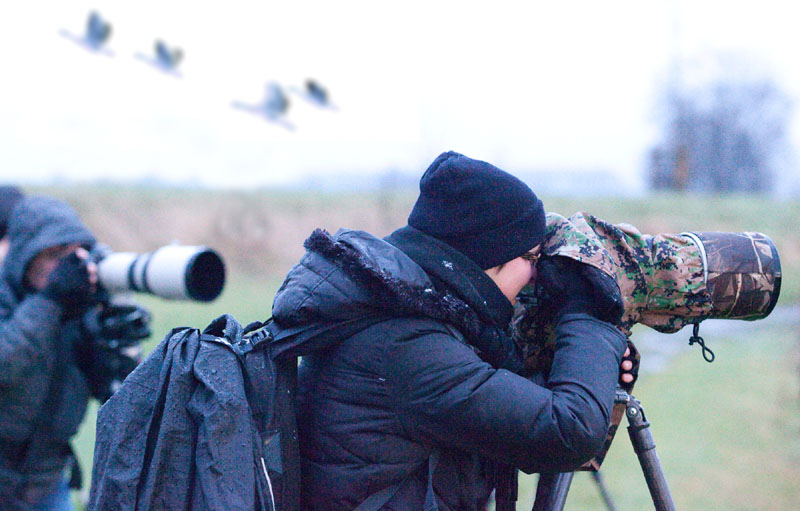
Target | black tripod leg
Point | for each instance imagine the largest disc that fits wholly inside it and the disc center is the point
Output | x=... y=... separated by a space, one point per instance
x=604 y=491
x=551 y=491
x=645 y=448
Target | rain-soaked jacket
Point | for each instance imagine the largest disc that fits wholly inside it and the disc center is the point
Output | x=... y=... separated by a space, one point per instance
x=389 y=376
x=35 y=346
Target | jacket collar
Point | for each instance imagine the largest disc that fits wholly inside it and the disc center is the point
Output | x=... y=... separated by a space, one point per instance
x=454 y=271
x=348 y=280
x=386 y=284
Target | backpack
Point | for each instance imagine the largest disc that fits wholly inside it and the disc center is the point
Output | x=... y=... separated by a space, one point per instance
x=206 y=422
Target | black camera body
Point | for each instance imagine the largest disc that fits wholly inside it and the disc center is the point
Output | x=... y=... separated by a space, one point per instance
x=111 y=347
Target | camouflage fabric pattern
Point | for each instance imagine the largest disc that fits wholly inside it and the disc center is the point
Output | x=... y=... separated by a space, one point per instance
x=667 y=281
x=662 y=277
x=744 y=274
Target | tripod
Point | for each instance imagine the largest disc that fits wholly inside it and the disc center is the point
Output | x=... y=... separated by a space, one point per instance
x=552 y=489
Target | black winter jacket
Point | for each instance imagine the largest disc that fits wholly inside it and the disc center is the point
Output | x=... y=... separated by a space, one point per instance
x=34 y=341
x=389 y=373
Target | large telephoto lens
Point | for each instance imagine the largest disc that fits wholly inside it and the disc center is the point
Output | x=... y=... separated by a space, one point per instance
x=177 y=272
x=671 y=280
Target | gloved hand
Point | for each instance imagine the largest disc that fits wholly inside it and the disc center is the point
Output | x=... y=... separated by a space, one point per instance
x=69 y=284
x=568 y=286
x=629 y=368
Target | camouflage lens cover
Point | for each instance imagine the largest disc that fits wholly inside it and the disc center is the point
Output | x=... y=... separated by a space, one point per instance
x=743 y=273
x=661 y=278
x=667 y=281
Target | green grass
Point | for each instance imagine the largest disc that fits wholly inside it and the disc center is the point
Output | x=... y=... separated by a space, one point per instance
x=727 y=434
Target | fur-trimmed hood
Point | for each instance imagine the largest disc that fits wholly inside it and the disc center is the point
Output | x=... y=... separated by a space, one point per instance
x=351 y=279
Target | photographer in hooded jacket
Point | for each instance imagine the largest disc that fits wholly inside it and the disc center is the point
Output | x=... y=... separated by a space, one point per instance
x=61 y=341
x=411 y=392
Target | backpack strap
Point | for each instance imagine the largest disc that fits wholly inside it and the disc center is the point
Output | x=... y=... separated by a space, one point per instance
x=377 y=500
x=258 y=334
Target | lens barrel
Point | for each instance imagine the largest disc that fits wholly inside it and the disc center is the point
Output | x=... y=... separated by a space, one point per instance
x=177 y=272
x=742 y=272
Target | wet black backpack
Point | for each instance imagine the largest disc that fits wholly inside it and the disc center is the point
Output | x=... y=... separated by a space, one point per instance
x=206 y=422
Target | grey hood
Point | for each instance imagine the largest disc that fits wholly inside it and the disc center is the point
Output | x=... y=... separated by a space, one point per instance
x=37 y=223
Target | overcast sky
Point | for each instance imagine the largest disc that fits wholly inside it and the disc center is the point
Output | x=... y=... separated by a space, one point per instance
x=524 y=85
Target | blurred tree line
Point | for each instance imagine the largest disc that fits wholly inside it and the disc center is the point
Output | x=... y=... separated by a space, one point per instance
x=726 y=132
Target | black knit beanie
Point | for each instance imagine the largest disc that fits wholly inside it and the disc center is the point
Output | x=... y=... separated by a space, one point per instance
x=9 y=197
x=484 y=212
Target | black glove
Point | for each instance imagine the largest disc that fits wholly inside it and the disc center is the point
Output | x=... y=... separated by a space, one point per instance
x=568 y=286
x=634 y=358
x=68 y=284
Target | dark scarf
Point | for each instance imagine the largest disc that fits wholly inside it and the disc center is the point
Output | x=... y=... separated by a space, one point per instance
x=455 y=273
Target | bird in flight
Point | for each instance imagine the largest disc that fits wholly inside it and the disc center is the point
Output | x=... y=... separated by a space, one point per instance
x=273 y=107
x=164 y=58
x=95 y=36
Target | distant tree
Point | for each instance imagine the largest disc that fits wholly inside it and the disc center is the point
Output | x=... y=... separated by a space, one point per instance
x=723 y=135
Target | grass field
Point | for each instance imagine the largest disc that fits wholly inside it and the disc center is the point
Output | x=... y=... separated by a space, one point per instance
x=728 y=433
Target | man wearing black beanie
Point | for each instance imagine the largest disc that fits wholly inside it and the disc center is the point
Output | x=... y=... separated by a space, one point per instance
x=411 y=393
